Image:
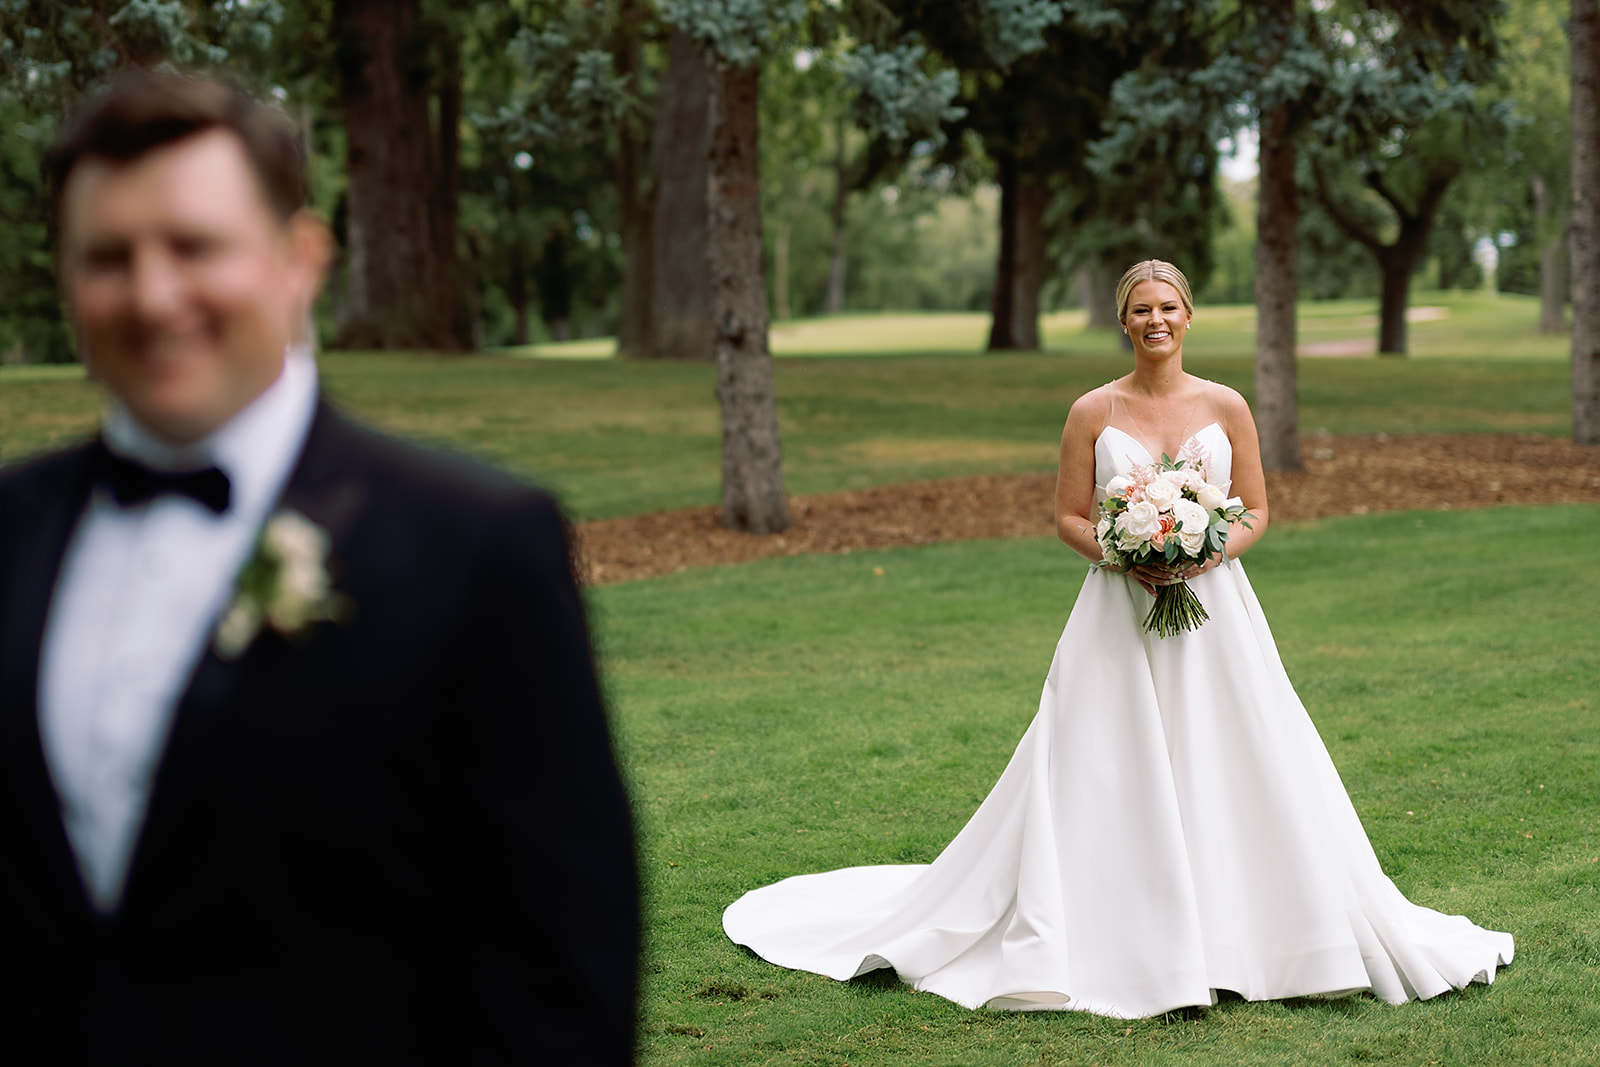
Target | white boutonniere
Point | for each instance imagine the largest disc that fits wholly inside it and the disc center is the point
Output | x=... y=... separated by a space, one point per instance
x=284 y=586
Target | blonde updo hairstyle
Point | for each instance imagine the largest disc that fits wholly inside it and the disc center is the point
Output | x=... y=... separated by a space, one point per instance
x=1152 y=270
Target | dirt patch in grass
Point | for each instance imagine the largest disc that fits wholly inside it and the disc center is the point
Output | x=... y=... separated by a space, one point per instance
x=1344 y=475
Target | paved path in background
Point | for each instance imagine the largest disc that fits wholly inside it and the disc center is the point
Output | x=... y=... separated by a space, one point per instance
x=1345 y=475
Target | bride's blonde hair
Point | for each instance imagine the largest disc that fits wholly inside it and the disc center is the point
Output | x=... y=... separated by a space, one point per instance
x=1152 y=270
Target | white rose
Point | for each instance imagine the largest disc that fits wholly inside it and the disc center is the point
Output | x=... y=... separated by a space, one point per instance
x=293 y=537
x=1162 y=494
x=1211 y=497
x=1178 y=478
x=1119 y=486
x=1193 y=543
x=1192 y=518
x=1141 y=521
x=1102 y=528
x=303 y=579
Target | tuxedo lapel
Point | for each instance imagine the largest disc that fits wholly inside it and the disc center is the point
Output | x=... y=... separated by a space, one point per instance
x=321 y=488
x=35 y=538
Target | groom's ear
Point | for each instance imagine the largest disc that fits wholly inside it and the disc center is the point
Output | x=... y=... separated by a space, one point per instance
x=310 y=249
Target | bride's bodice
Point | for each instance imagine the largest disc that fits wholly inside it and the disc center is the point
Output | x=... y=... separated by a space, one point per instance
x=1118 y=452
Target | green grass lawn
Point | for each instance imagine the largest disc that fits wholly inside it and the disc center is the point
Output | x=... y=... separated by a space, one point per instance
x=804 y=714
x=619 y=438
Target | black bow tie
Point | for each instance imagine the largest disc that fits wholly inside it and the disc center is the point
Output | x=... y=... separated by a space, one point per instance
x=132 y=483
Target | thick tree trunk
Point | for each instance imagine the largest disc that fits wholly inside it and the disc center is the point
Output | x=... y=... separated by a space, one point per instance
x=1019 y=275
x=1277 y=287
x=1585 y=35
x=635 y=207
x=753 y=499
x=680 y=302
x=401 y=290
x=1553 y=284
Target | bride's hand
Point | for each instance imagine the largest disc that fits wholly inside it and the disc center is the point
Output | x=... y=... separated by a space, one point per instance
x=1155 y=576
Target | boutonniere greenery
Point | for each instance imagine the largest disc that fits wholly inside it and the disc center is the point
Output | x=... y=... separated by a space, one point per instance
x=284 y=586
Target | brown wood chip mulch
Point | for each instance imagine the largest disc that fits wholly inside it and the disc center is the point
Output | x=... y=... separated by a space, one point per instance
x=1345 y=475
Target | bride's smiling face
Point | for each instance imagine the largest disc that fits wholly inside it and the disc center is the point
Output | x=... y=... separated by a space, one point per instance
x=1156 y=319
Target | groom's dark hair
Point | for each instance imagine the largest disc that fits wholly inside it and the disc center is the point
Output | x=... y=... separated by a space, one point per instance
x=141 y=110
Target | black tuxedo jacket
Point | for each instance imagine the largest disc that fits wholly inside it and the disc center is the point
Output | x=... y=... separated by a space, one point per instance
x=400 y=840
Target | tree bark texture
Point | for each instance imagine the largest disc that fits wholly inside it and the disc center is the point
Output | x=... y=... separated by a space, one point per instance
x=401 y=282
x=680 y=288
x=753 y=499
x=1277 y=287
x=1585 y=35
x=1019 y=274
x=635 y=205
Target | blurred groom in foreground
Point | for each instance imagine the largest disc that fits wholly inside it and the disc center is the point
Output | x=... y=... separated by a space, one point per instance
x=302 y=754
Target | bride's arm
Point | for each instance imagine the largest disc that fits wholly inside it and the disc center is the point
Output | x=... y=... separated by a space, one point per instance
x=1075 y=509
x=1249 y=482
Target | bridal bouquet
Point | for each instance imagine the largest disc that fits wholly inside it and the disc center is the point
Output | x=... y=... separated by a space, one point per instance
x=1166 y=514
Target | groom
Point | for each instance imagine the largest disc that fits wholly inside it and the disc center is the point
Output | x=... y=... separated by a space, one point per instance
x=340 y=793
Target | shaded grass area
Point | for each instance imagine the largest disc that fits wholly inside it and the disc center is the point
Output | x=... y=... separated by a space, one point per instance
x=625 y=438
x=805 y=714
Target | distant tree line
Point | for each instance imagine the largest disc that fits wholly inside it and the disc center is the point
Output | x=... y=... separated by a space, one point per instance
x=669 y=171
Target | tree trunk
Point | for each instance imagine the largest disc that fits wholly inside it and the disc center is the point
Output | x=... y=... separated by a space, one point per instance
x=634 y=204
x=1019 y=276
x=1098 y=291
x=634 y=336
x=1397 y=263
x=833 y=302
x=1277 y=223
x=401 y=272
x=520 y=331
x=1585 y=35
x=680 y=302
x=1001 y=299
x=753 y=499
x=1553 y=284
x=448 y=276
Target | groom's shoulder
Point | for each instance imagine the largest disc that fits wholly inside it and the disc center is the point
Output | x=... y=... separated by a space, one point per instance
x=427 y=476
x=30 y=474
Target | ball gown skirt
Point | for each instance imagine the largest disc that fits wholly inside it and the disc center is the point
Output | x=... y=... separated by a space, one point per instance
x=1170 y=825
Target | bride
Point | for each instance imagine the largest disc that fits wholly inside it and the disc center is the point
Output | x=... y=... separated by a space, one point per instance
x=1171 y=823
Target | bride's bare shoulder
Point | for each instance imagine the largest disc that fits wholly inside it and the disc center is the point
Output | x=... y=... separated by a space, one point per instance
x=1091 y=408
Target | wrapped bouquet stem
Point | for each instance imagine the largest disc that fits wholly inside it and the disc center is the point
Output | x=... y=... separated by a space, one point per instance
x=1167 y=515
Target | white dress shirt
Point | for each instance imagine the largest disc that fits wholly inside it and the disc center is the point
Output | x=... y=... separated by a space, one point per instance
x=139 y=595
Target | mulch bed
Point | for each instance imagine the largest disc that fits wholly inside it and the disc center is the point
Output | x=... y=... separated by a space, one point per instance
x=1344 y=475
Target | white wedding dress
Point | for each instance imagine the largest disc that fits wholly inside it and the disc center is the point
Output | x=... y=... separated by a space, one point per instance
x=1170 y=825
